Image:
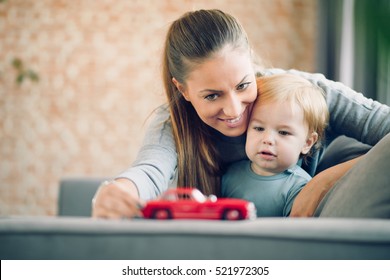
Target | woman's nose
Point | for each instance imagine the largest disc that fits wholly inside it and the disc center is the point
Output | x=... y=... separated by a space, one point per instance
x=233 y=106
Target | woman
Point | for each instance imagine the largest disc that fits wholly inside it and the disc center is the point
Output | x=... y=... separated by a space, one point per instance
x=210 y=84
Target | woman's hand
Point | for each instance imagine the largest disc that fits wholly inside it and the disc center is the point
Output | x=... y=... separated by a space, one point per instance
x=116 y=199
x=311 y=195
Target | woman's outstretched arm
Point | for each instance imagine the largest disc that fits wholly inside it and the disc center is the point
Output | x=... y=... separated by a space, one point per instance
x=150 y=174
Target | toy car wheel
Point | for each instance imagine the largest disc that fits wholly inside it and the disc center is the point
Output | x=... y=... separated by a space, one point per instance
x=162 y=214
x=232 y=214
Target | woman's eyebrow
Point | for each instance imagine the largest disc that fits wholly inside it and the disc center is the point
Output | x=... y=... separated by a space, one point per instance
x=207 y=90
x=243 y=79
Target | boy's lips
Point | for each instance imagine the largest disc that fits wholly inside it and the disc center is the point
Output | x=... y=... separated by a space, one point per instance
x=267 y=154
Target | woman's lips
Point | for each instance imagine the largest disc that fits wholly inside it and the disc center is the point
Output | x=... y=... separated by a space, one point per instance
x=232 y=123
x=234 y=120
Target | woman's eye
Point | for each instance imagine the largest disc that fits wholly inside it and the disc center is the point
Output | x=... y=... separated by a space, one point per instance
x=243 y=86
x=211 y=97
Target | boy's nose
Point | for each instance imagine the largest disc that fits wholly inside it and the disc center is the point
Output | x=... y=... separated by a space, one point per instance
x=268 y=138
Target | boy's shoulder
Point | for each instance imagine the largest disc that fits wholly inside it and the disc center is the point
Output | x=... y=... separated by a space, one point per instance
x=298 y=171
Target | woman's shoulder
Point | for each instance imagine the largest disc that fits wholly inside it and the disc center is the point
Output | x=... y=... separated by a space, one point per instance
x=274 y=71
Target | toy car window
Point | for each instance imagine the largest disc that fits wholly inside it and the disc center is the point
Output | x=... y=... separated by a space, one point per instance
x=170 y=197
x=184 y=196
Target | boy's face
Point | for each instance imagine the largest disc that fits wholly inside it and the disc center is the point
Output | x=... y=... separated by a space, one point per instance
x=277 y=135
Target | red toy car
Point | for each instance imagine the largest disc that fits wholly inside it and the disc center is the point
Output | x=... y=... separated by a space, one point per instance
x=190 y=203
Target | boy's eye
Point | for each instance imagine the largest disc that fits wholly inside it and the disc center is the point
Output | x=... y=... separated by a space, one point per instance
x=284 y=133
x=243 y=86
x=258 y=128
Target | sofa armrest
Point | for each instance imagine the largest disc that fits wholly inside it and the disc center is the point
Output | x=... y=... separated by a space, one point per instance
x=75 y=196
x=263 y=238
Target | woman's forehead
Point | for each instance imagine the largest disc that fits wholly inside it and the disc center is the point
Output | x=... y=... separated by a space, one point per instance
x=227 y=67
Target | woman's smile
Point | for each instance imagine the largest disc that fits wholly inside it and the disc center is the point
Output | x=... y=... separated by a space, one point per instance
x=234 y=122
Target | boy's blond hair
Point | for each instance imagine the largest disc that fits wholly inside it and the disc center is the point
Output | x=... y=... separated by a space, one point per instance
x=297 y=90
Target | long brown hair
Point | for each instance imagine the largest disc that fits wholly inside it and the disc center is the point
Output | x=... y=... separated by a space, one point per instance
x=192 y=39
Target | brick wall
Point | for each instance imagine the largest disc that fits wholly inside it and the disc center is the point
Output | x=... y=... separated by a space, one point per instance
x=99 y=78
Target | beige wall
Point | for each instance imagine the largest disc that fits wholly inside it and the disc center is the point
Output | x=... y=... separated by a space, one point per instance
x=99 y=68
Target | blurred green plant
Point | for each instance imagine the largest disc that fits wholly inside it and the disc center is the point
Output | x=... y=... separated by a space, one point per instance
x=22 y=72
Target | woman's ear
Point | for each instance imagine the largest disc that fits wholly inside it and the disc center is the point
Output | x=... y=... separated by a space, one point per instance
x=310 y=141
x=180 y=88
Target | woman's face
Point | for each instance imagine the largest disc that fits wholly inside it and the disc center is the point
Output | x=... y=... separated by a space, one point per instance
x=222 y=90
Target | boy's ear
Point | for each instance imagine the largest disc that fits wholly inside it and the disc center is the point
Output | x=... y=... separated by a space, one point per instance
x=180 y=88
x=310 y=141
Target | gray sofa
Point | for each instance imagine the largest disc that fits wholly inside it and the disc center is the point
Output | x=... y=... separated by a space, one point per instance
x=74 y=235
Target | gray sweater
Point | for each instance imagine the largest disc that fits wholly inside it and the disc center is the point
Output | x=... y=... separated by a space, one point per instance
x=351 y=114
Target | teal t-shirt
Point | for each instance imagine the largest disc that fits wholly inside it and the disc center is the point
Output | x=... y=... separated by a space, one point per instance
x=273 y=196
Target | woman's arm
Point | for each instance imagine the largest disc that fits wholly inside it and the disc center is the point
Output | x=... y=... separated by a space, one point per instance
x=351 y=114
x=311 y=195
x=150 y=174
x=155 y=165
